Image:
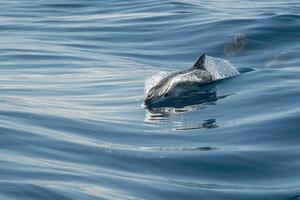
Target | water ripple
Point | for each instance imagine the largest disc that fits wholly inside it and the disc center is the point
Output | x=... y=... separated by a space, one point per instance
x=72 y=84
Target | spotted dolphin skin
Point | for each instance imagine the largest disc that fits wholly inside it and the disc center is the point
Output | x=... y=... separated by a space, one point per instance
x=180 y=85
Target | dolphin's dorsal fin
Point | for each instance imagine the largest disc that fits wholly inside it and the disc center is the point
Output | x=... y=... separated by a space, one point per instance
x=200 y=63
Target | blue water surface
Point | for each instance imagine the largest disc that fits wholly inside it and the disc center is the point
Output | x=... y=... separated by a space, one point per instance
x=72 y=84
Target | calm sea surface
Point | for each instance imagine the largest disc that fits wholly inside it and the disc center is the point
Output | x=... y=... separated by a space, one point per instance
x=72 y=84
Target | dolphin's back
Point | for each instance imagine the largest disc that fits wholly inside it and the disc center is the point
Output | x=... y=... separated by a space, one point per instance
x=189 y=75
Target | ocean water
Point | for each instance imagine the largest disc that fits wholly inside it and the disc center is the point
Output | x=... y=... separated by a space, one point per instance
x=72 y=83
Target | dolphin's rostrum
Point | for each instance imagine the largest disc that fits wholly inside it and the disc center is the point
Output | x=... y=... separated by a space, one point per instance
x=179 y=84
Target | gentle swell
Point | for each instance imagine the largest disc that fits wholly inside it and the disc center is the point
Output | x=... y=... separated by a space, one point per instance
x=72 y=77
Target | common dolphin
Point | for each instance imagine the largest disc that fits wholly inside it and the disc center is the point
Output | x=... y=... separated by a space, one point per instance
x=182 y=83
x=236 y=45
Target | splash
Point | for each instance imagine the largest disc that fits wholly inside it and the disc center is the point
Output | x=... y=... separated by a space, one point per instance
x=220 y=68
x=155 y=79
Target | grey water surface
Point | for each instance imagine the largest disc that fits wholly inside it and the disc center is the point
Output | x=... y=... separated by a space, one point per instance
x=72 y=84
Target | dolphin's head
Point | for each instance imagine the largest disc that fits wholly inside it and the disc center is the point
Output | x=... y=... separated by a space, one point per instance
x=157 y=94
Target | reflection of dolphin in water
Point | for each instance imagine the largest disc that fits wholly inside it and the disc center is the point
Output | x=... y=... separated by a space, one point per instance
x=191 y=86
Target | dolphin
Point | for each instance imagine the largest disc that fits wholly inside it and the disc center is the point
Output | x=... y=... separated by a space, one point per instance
x=181 y=84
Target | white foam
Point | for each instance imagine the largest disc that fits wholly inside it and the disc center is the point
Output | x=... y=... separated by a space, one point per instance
x=220 y=68
x=154 y=80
